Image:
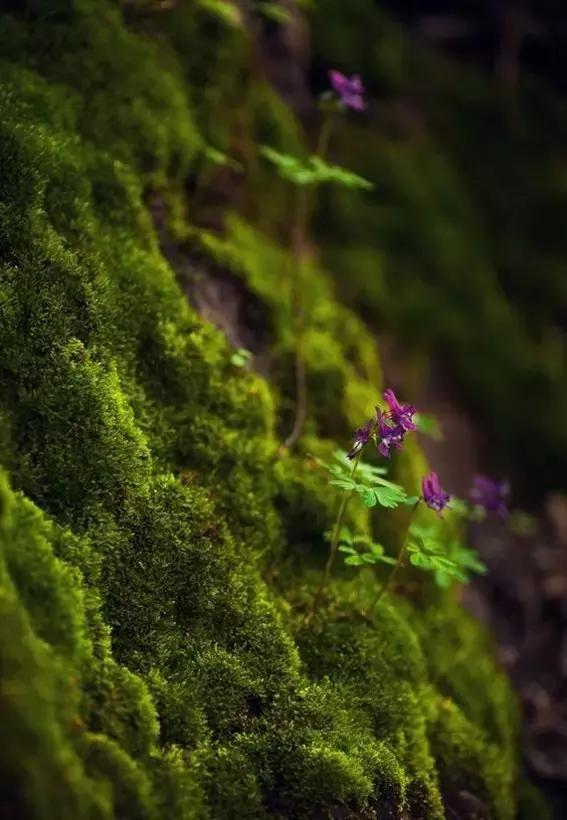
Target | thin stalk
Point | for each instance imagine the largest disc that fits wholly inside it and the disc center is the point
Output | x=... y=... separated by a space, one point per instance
x=298 y=250
x=334 y=541
x=303 y=213
x=399 y=564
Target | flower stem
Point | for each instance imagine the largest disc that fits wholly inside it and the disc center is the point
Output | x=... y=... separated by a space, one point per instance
x=304 y=209
x=399 y=564
x=334 y=541
x=298 y=252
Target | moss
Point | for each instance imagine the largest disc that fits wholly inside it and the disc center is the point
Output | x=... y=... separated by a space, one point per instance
x=382 y=678
x=157 y=552
x=39 y=696
x=131 y=790
x=339 y=353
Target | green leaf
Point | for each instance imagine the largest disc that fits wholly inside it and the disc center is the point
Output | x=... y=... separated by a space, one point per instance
x=369 y=498
x=339 y=176
x=354 y=560
x=432 y=546
x=439 y=562
x=217 y=157
x=449 y=560
x=365 y=540
x=418 y=559
x=345 y=536
x=344 y=461
x=312 y=171
x=347 y=549
x=389 y=497
x=423 y=532
x=343 y=483
x=289 y=167
x=466 y=559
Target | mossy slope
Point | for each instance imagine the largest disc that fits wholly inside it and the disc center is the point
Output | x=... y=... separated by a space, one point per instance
x=150 y=665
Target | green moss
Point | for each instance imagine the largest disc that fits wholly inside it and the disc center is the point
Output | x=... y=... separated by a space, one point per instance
x=339 y=353
x=131 y=789
x=157 y=551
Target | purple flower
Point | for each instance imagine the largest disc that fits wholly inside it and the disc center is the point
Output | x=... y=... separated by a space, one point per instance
x=361 y=437
x=433 y=495
x=401 y=414
x=393 y=424
x=492 y=495
x=391 y=435
x=349 y=90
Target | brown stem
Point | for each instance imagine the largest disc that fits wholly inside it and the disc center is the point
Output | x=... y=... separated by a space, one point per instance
x=298 y=246
x=398 y=565
x=334 y=541
x=304 y=209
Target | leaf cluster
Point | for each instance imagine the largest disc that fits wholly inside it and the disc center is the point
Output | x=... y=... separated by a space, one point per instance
x=448 y=561
x=312 y=171
x=367 y=482
x=361 y=549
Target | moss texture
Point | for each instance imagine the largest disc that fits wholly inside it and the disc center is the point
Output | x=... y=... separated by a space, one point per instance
x=157 y=551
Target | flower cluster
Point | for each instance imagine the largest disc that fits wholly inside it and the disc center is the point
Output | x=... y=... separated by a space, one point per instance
x=490 y=494
x=438 y=549
x=387 y=429
x=394 y=424
x=349 y=90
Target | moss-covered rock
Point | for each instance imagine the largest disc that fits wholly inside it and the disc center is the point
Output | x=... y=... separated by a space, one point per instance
x=157 y=551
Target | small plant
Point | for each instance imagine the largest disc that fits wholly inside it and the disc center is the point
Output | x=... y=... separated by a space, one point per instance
x=427 y=548
x=306 y=174
x=361 y=550
x=368 y=482
x=312 y=171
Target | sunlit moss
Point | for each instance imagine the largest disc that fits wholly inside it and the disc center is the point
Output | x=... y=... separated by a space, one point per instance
x=157 y=550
